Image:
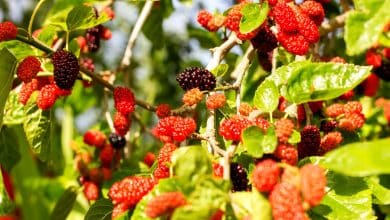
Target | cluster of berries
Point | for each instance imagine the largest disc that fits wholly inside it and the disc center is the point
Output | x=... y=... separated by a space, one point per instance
x=291 y=190
x=124 y=103
x=349 y=115
x=92 y=177
x=380 y=60
x=174 y=128
x=238 y=176
x=66 y=69
x=195 y=96
x=91 y=41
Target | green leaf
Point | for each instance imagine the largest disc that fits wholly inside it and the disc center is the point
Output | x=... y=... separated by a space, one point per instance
x=295 y=137
x=13 y=110
x=153 y=28
x=348 y=198
x=253 y=16
x=164 y=185
x=253 y=204
x=305 y=81
x=267 y=96
x=191 y=163
x=380 y=186
x=9 y=147
x=48 y=34
x=360 y=159
x=8 y=64
x=65 y=204
x=251 y=138
x=19 y=49
x=269 y=141
x=84 y=17
x=37 y=127
x=100 y=210
x=363 y=28
x=220 y=70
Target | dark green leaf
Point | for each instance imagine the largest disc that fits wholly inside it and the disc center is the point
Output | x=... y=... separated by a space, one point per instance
x=253 y=16
x=363 y=28
x=9 y=147
x=360 y=159
x=251 y=138
x=84 y=17
x=100 y=210
x=153 y=28
x=65 y=204
x=253 y=204
x=220 y=70
x=348 y=198
x=267 y=96
x=304 y=81
x=380 y=186
x=37 y=127
x=8 y=64
x=191 y=163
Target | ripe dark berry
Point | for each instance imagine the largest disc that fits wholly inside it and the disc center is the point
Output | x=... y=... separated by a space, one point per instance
x=93 y=38
x=8 y=31
x=286 y=202
x=117 y=141
x=95 y=138
x=264 y=40
x=174 y=128
x=328 y=126
x=66 y=69
x=313 y=183
x=28 y=69
x=383 y=71
x=266 y=175
x=238 y=176
x=121 y=123
x=164 y=204
x=124 y=100
x=310 y=141
x=196 y=77
x=47 y=97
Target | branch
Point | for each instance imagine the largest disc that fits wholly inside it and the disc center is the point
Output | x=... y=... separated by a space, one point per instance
x=226 y=161
x=219 y=52
x=134 y=34
x=333 y=24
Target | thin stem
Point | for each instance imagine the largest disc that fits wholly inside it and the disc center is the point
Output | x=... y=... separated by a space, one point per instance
x=34 y=13
x=126 y=60
x=226 y=161
x=308 y=113
x=35 y=43
x=333 y=24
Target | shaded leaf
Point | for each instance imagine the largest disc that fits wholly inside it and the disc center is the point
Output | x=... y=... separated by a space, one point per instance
x=64 y=204
x=84 y=17
x=380 y=186
x=100 y=210
x=8 y=65
x=9 y=147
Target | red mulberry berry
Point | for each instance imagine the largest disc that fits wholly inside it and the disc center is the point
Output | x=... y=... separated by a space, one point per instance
x=87 y=63
x=386 y=52
x=218 y=170
x=310 y=141
x=26 y=90
x=334 y=110
x=130 y=190
x=330 y=141
x=371 y=85
x=314 y=10
x=95 y=138
x=117 y=141
x=315 y=106
x=8 y=31
x=231 y=128
x=373 y=58
x=286 y=202
x=174 y=128
x=164 y=204
x=196 y=77
x=313 y=183
x=107 y=155
x=264 y=40
x=192 y=97
x=66 y=69
x=149 y=159
x=284 y=16
x=307 y=28
x=284 y=128
x=47 y=97
x=121 y=123
x=352 y=107
x=347 y=95
x=28 y=69
x=119 y=209
x=91 y=191
x=216 y=101
x=161 y=172
x=124 y=100
x=234 y=17
x=92 y=36
x=294 y=43
x=266 y=175
x=165 y=153
x=245 y=109
x=287 y=154
x=328 y=126
x=238 y=176
x=352 y=122
x=163 y=110
x=204 y=17
x=105 y=33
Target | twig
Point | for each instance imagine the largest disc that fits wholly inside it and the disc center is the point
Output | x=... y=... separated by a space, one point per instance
x=34 y=13
x=308 y=113
x=134 y=34
x=226 y=161
x=215 y=144
x=219 y=52
x=333 y=24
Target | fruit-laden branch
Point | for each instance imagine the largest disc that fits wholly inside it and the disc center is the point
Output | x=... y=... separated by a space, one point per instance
x=333 y=24
x=126 y=60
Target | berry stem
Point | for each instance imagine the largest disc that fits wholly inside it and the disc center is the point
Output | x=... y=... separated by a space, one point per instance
x=32 y=18
x=308 y=113
x=34 y=43
x=126 y=60
x=333 y=24
x=226 y=161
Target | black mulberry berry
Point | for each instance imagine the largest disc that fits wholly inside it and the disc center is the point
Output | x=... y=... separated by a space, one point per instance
x=66 y=69
x=238 y=177
x=310 y=141
x=196 y=77
x=117 y=141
